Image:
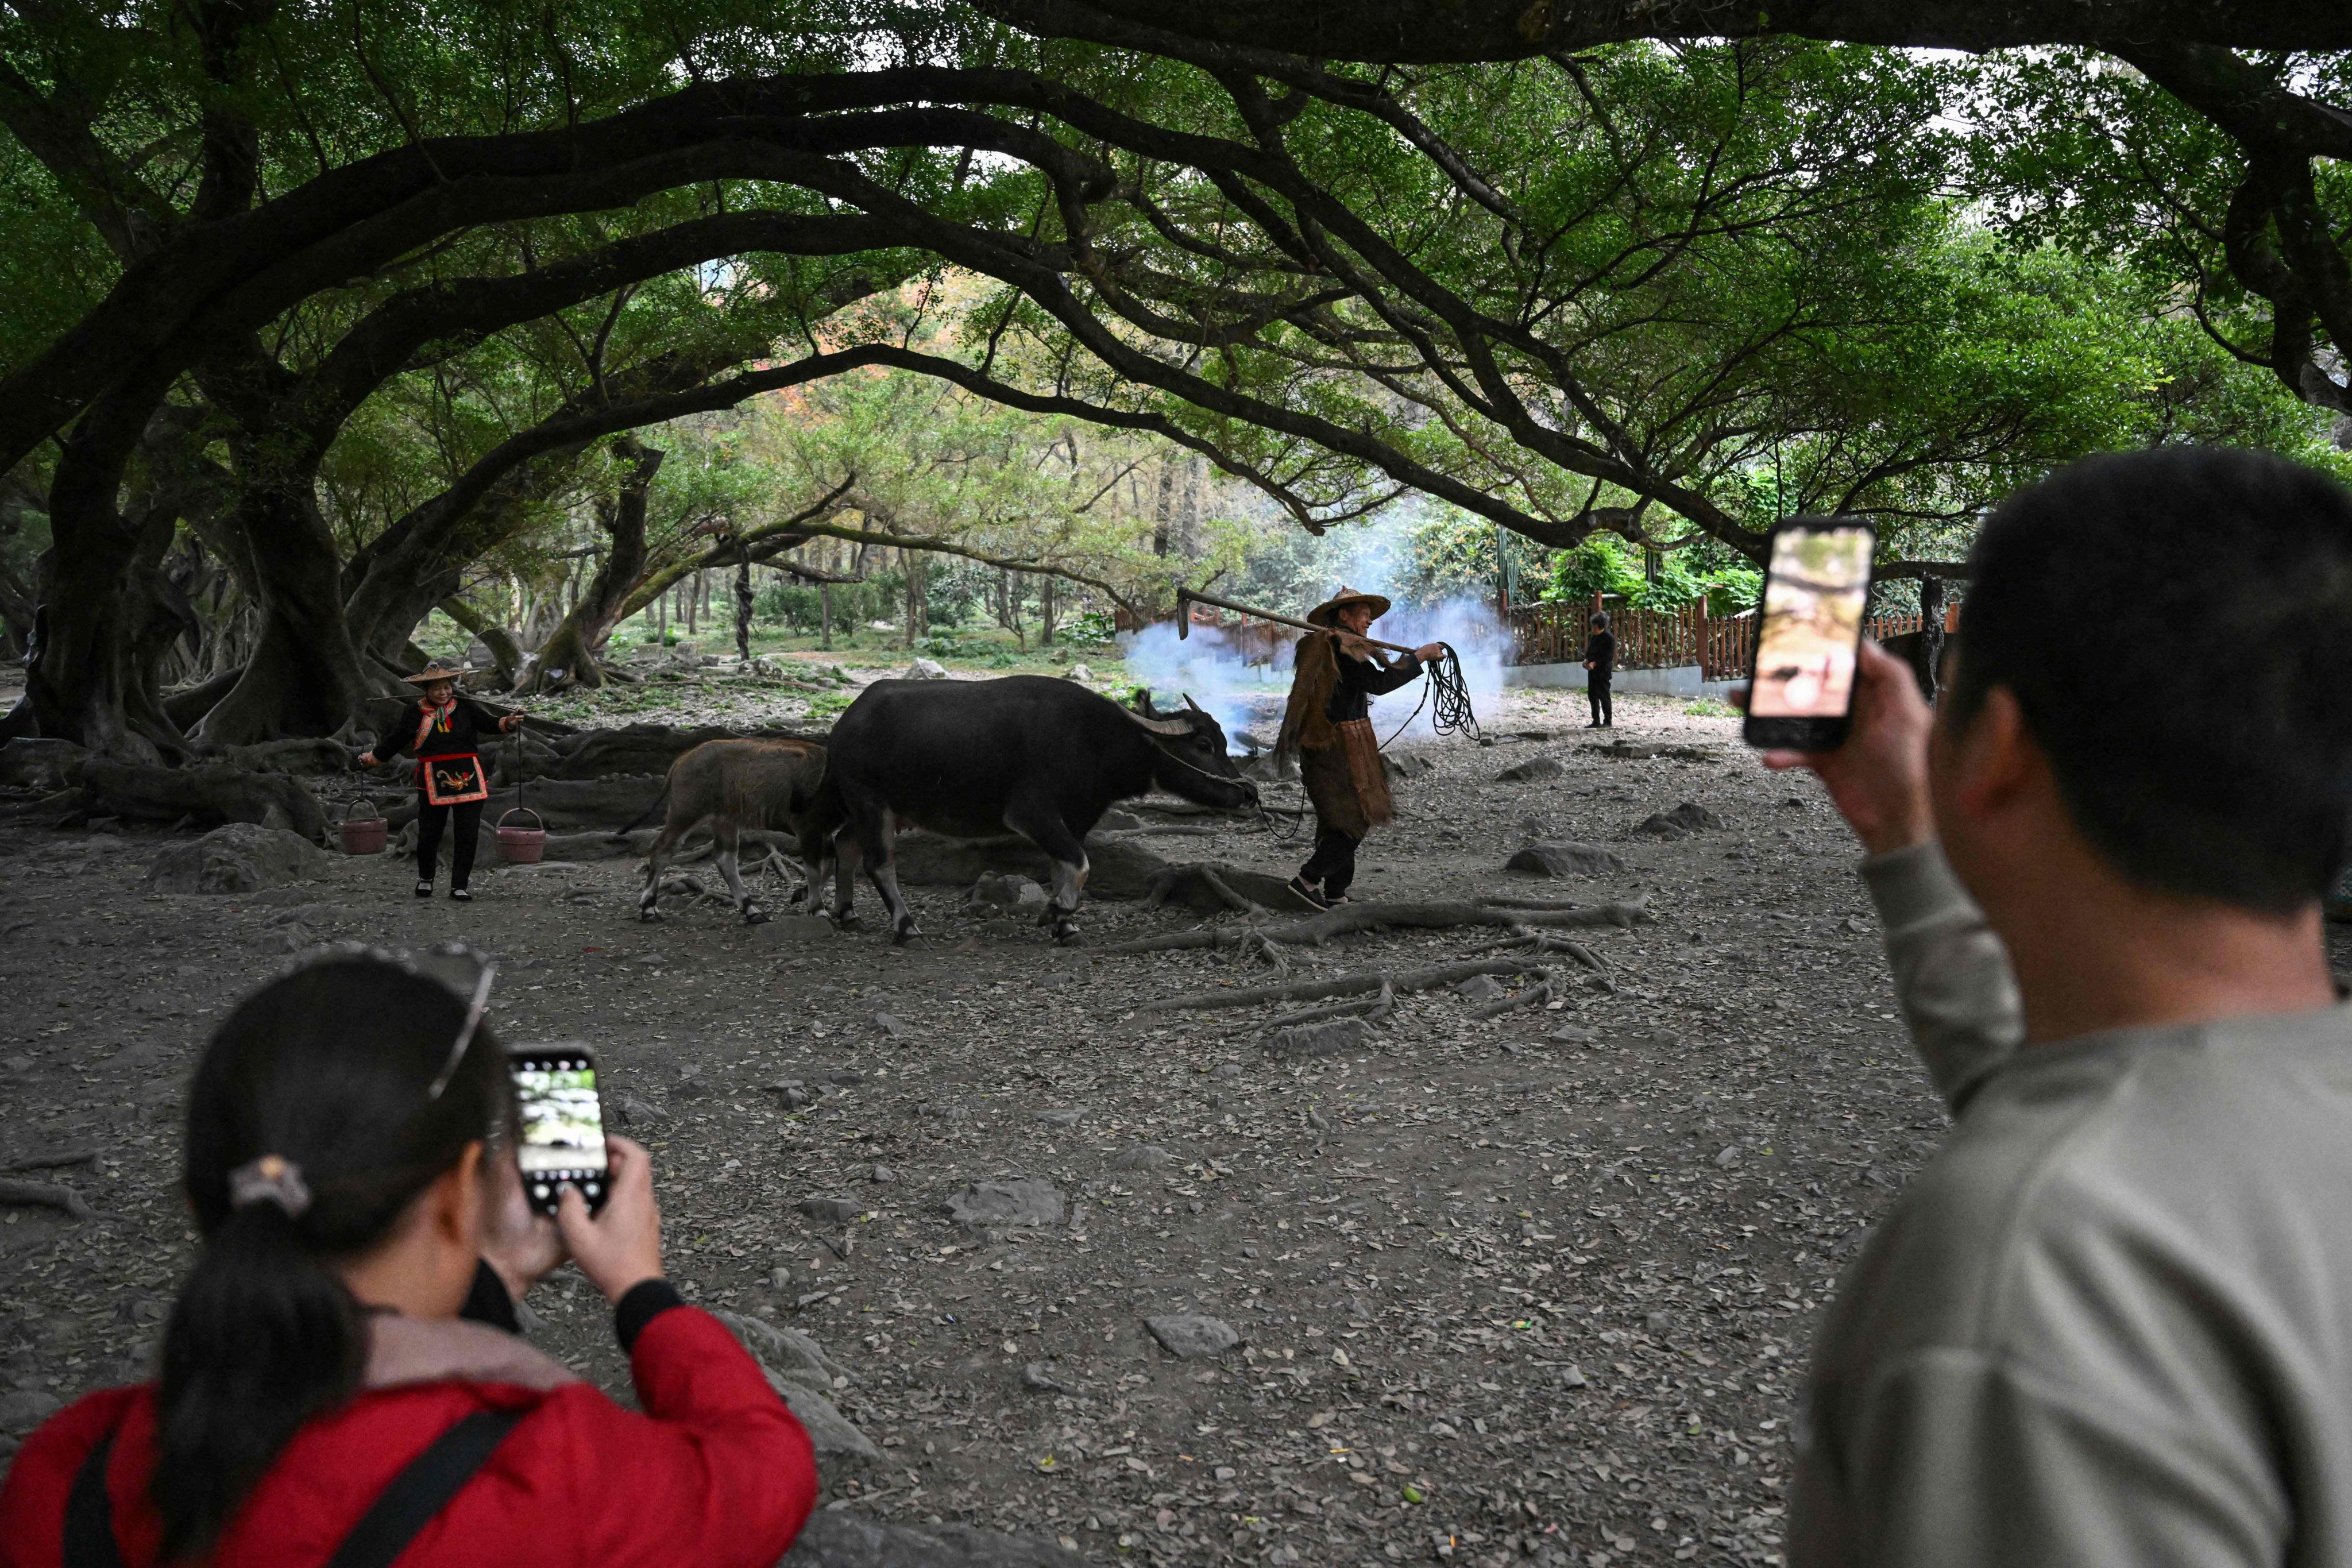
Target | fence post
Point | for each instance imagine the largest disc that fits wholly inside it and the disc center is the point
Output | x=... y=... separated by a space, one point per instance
x=1706 y=644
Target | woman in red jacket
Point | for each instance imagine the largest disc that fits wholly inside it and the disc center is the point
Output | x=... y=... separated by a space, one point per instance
x=323 y=1398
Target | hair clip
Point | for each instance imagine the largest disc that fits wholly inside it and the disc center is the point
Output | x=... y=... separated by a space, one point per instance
x=474 y=1012
x=273 y=1179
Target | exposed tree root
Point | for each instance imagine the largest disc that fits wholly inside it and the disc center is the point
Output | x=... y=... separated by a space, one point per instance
x=1533 y=996
x=1339 y=985
x=210 y=794
x=48 y=1194
x=1349 y=918
x=1371 y=1008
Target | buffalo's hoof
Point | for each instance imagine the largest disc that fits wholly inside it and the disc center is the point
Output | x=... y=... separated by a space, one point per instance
x=756 y=916
x=648 y=914
x=845 y=921
x=1067 y=935
x=900 y=934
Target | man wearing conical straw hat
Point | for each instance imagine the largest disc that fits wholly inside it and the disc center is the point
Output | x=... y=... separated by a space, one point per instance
x=1327 y=726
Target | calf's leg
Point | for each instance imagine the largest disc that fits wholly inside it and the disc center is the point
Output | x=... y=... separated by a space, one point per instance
x=656 y=858
x=730 y=834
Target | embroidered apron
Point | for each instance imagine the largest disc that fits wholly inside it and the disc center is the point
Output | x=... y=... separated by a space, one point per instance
x=447 y=778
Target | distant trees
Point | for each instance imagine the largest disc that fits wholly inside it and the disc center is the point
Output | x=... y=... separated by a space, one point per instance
x=346 y=306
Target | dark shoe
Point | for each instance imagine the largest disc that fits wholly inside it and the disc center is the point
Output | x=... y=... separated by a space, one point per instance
x=424 y=889
x=1308 y=896
x=459 y=895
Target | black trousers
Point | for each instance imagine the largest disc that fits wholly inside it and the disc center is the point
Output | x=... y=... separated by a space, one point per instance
x=430 y=821
x=1333 y=864
x=1597 y=694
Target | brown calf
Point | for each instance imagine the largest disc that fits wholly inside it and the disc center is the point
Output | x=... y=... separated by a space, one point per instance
x=777 y=786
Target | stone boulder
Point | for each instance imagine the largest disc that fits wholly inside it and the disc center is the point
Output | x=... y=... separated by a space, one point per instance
x=1333 y=1038
x=1687 y=818
x=41 y=763
x=1533 y=769
x=799 y=1369
x=1188 y=1336
x=237 y=858
x=1121 y=868
x=1016 y=895
x=1565 y=859
x=1026 y=1200
x=924 y=670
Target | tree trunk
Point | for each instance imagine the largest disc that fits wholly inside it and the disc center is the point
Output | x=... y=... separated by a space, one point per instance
x=306 y=677
x=1013 y=590
x=918 y=570
x=1046 y=613
x=824 y=615
x=568 y=656
x=1162 y=507
x=83 y=668
x=744 y=608
x=505 y=652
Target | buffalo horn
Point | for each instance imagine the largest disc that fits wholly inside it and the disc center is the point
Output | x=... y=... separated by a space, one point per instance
x=1171 y=727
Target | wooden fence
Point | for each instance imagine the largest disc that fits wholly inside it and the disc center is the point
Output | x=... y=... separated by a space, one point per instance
x=1722 y=647
x=1554 y=633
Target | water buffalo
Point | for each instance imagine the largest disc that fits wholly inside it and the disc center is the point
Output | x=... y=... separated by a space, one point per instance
x=734 y=784
x=1041 y=756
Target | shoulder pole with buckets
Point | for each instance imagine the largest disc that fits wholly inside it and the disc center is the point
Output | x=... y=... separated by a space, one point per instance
x=520 y=846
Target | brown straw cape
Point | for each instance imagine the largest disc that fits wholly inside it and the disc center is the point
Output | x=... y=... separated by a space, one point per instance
x=1326 y=614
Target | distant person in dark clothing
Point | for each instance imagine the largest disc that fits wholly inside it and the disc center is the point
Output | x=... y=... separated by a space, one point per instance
x=1328 y=728
x=1600 y=661
x=446 y=732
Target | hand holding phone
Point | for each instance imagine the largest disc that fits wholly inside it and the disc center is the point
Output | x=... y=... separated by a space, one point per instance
x=1878 y=779
x=621 y=1247
x=1816 y=587
x=562 y=1124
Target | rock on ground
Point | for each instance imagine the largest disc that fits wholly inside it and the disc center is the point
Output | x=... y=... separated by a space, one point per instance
x=1029 y=1200
x=925 y=669
x=1188 y=1336
x=1687 y=818
x=1532 y=769
x=1566 y=860
x=1335 y=1037
x=237 y=858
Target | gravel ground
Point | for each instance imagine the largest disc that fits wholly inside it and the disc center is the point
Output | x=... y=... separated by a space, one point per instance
x=1534 y=1287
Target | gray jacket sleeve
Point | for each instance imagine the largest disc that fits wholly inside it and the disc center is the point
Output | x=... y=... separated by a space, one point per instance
x=1965 y=1460
x=1951 y=973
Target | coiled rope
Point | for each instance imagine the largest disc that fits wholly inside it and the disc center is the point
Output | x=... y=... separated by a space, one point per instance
x=1447 y=698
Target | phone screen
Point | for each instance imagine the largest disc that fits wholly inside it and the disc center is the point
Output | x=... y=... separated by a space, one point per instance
x=1814 y=593
x=562 y=1124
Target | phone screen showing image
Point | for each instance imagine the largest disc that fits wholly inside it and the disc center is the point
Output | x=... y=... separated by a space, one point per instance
x=1815 y=591
x=562 y=1124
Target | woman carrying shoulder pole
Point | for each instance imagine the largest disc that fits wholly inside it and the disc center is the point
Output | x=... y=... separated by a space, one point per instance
x=445 y=731
x=335 y=1386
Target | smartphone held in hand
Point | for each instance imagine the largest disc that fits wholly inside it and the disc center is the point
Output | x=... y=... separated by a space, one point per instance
x=1816 y=587
x=562 y=1124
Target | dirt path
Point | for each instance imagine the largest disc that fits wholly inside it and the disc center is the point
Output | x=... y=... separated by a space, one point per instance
x=1500 y=1293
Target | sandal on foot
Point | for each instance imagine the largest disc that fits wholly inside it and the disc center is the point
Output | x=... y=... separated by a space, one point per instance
x=459 y=895
x=1311 y=896
x=424 y=889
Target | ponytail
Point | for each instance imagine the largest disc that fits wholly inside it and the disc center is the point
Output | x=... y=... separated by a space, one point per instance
x=261 y=1340
x=322 y=1080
